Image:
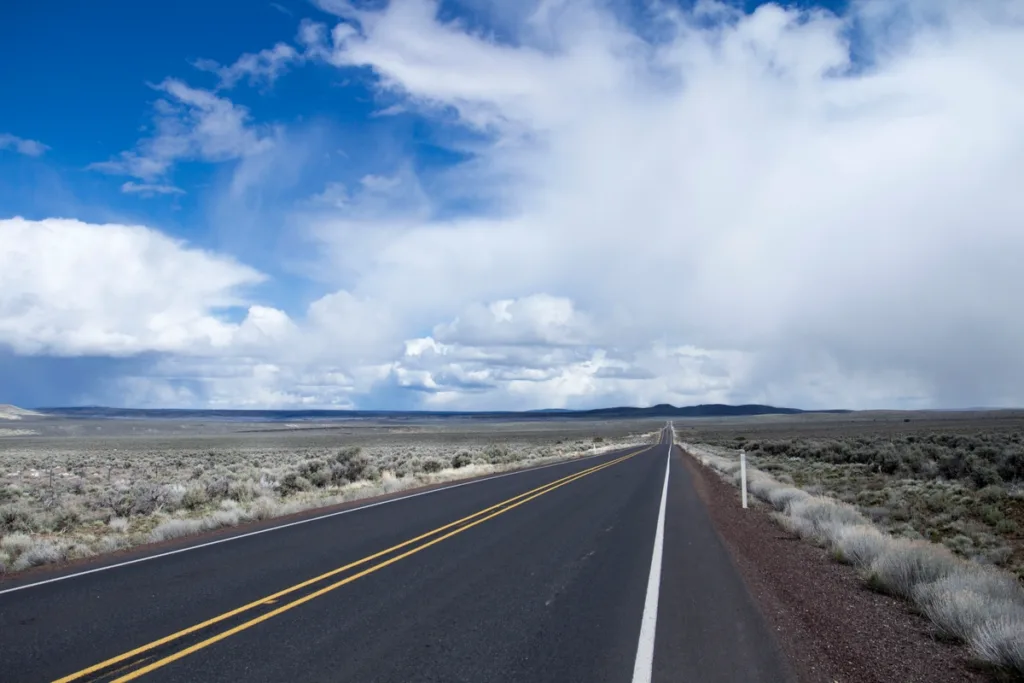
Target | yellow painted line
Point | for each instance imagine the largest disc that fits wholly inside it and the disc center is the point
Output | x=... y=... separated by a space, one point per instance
x=327 y=589
x=270 y=599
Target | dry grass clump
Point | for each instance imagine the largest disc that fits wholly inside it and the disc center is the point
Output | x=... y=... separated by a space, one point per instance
x=63 y=499
x=959 y=601
x=907 y=564
x=979 y=605
x=175 y=528
x=982 y=608
x=859 y=544
x=1000 y=641
x=20 y=551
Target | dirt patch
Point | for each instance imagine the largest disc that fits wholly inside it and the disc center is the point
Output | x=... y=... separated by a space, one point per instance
x=831 y=628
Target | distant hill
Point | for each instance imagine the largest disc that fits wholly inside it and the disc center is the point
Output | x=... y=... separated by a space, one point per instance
x=9 y=412
x=703 y=410
x=662 y=410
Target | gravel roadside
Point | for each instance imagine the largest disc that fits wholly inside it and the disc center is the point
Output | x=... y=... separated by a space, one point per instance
x=830 y=627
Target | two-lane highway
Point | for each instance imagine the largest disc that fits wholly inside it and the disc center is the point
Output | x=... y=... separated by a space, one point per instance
x=541 y=575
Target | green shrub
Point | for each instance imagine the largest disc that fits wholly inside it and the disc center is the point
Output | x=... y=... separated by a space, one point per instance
x=887 y=460
x=1010 y=464
x=16 y=518
x=346 y=454
x=245 y=491
x=64 y=519
x=1007 y=527
x=992 y=515
x=293 y=482
x=992 y=494
x=350 y=465
x=140 y=500
x=980 y=473
x=195 y=497
x=309 y=468
x=218 y=488
x=320 y=478
x=497 y=454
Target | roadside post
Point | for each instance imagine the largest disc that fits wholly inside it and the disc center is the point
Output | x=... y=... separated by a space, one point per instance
x=743 y=476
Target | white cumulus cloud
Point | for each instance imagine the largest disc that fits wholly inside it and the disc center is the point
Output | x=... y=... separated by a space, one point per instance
x=538 y=319
x=74 y=288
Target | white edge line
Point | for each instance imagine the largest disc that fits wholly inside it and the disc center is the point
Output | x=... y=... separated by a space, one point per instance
x=644 y=664
x=301 y=521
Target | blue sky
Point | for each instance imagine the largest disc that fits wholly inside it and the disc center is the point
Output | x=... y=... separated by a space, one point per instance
x=401 y=204
x=91 y=108
x=93 y=105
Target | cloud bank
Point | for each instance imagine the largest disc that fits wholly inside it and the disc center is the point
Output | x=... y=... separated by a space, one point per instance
x=785 y=206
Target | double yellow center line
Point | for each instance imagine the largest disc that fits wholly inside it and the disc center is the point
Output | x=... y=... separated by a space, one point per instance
x=458 y=526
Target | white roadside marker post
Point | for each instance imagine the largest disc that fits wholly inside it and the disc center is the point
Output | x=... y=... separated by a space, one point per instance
x=743 y=476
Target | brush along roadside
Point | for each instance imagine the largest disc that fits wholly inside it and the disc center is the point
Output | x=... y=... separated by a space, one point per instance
x=979 y=605
x=52 y=518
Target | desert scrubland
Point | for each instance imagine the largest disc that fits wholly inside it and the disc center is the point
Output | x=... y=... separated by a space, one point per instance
x=929 y=507
x=72 y=488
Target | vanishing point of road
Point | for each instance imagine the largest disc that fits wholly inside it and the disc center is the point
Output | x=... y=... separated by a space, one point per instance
x=598 y=570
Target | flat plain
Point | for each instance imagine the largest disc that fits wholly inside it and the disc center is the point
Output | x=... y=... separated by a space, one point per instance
x=73 y=488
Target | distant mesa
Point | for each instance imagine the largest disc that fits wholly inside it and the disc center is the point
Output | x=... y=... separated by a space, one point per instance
x=9 y=412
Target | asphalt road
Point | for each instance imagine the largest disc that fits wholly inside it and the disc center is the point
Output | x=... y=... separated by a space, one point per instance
x=543 y=575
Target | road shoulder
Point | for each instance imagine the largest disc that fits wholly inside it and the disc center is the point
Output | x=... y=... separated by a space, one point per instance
x=709 y=626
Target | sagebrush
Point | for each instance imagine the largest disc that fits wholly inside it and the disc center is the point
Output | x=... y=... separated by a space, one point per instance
x=63 y=499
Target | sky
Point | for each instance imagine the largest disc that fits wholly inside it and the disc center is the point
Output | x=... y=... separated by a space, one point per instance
x=484 y=204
